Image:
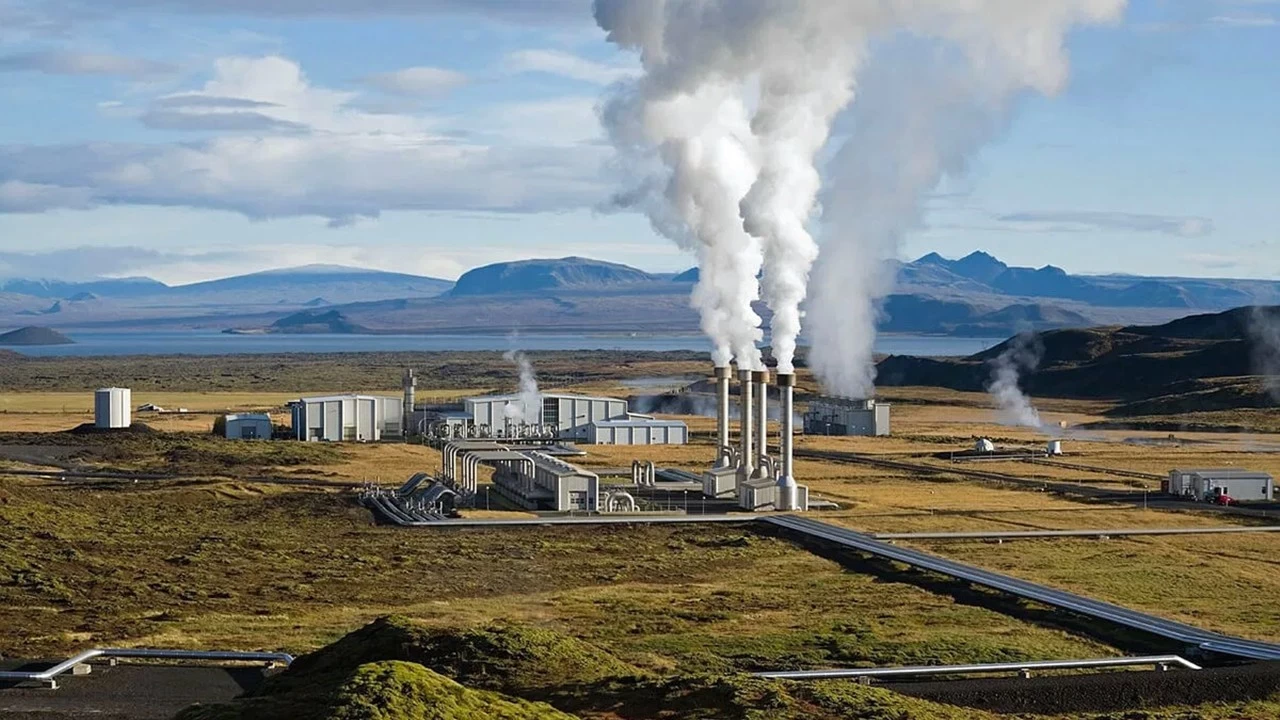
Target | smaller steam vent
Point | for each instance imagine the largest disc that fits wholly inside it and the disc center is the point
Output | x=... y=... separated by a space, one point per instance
x=831 y=415
x=111 y=408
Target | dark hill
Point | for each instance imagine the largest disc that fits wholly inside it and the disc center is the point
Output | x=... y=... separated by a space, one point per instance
x=316 y=322
x=1214 y=358
x=535 y=276
x=34 y=336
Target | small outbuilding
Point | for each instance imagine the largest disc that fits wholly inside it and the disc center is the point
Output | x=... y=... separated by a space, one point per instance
x=248 y=426
x=111 y=408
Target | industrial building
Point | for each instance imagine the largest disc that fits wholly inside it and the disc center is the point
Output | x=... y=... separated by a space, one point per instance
x=247 y=426
x=1208 y=484
x=638 y=430
x=846 y=416
x=348 y=418
x=567 y=416
x=112 y=408
x=547 y=483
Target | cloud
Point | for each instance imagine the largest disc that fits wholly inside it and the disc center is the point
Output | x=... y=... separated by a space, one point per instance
x=63 y=62
x=305 y=150
x=238 y=120
x=556 y=62
x=24 y=197
x=1078 y=221
x=506 y=10
x=1244 y=20
x=417 y=81
x=1216 y=261
x=196 y=100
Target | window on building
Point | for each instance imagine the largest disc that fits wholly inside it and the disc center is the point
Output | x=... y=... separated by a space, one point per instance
x=550 y=411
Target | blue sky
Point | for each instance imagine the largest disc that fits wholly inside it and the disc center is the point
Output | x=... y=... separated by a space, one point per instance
x=190 y=139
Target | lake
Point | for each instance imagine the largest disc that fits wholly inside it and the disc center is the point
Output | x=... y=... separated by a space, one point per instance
x=214 y=343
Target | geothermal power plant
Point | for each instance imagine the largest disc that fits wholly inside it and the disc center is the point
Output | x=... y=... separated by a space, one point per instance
x=747 y=471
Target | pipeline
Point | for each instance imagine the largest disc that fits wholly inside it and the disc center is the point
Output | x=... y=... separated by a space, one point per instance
x=48 y=677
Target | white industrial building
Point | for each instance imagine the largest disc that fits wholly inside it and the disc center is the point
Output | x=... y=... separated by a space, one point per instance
x=1242 y=485
x=348 y=418
x=567 y=417
x=552 y=484
x=844 y=416
x=247 y=426
x=638 y=430
x=111 y=408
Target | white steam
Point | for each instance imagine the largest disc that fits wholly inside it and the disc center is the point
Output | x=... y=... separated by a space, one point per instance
x=736 y=103
x=528 y=408
x=1264 y=327
x=1023 y=354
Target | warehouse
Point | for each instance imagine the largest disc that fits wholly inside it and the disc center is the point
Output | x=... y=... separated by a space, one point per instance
x=1240 y=485
x=248 y=426
x=348 y=418
x=553 y=484
x=569 y=416
x=638 y=430
x=845 y=416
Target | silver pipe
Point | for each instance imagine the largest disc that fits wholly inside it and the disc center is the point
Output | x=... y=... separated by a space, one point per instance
x=761 y=380
x=746 y=457
x=723 y=373
x=47 y=676
x=1024 y=667
x=787 y=492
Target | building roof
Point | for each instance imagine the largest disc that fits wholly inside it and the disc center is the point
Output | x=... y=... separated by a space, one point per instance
x=263 y=417
x=639 y=422
x=513 y=397
x=1225 y=473
x=348 y=396
x=557 y=466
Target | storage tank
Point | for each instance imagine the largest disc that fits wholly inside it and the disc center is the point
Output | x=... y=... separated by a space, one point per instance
x=111 y=408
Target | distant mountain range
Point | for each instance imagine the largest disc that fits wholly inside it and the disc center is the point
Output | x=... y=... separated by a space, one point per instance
x=977 y=295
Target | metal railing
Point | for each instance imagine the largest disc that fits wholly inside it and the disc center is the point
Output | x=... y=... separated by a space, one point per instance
x=49 y=677
x=1163 y=662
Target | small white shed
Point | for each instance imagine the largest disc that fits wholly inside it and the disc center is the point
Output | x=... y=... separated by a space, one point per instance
x=248 y=426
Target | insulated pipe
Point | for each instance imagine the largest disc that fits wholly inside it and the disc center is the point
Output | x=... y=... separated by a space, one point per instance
x=48 y=676
x=760 y=378
x=787 y=492
x=723 y=373
x=746 y=457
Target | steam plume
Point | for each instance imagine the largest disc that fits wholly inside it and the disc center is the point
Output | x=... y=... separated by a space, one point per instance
x=791 y=67
x=1264 y=327
x=530 y=404
x=1023 y=354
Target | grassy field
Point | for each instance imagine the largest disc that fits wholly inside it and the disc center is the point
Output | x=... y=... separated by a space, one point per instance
x=237 y=565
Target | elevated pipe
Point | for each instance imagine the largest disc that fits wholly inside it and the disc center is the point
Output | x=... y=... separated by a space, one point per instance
x=788 y=493
x=1161 y=661
x=48 y=676
x=760 y=378
x=746 y=455
x=723 y=373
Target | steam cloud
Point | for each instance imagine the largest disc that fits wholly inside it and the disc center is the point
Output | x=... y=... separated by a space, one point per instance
x=739 y=98
x=1264 y=327
x=526 y=410
x=1023 y=354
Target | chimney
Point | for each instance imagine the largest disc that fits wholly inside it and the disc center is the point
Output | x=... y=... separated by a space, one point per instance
x=746 y=458
x=761 y=380
x=410 y=382
x=787 y=492
x=723 y=373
